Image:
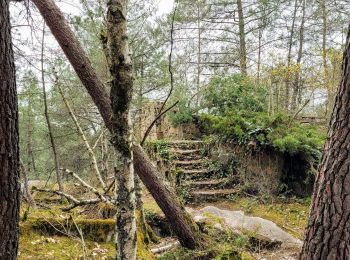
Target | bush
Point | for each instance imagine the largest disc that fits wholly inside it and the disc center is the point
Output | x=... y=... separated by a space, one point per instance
x=235 y=91
x=261 y=130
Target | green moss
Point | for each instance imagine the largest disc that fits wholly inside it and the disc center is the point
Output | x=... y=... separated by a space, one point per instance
x=143 y=240
x=290 y=215
x=98 y=230
x=35 y=245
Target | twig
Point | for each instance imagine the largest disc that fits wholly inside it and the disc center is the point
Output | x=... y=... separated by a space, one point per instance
x=86 y=185
x=80 y=232
x=80 y=132
x=60 y=193
x=301 y=108
x=110 y=186
x=155 y=121
x=74 y=201
x=98 y=139
x=171 y=79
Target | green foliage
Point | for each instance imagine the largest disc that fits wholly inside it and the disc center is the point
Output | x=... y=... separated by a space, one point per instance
x=235 y=91
x=184 y=193
x=160 y=148
x=182 y=114
x=260 y=130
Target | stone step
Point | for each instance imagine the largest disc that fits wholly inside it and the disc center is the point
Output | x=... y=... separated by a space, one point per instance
x=208 y=195
x=190 y=164
x=190 y=154
x=195 y=174
x=209 y=184
x=186 y=144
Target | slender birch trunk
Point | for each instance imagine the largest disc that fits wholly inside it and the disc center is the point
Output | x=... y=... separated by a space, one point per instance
x=121 y=96
x=93 y=161
x=199 y=54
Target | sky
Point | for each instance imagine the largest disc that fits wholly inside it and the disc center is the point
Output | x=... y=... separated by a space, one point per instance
x=69 y=7
x=165 y=6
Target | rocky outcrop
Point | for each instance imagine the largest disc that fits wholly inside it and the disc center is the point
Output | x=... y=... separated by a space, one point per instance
x=262 y=229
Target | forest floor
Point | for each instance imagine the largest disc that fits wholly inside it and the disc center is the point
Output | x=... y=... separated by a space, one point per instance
x=35 y=243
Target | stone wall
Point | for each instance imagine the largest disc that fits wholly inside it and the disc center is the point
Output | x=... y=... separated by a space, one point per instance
x=163 y=129
x=258 y=172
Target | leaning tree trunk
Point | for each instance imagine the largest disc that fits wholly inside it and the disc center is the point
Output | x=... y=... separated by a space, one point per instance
x=9 y=152
x=188 y=232
x=328 y=231
x=121 y=96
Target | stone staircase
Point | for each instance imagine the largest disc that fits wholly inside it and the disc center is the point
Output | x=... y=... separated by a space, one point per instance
x=195 y=174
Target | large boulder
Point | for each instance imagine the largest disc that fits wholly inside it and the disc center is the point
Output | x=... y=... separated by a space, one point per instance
x=243 y=224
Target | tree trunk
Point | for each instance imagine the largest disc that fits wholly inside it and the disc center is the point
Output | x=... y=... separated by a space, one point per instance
x=242 y=45
x=328 y=231
x=330 y=101
x=121 y=96
x=289 y=58
x=177 y=216
x=199 y=54
x=93 y=161
x=47 y=117
x=9 y=150
x=187 y=232
x=296 y=83
x=30 y=156
x=259 y=54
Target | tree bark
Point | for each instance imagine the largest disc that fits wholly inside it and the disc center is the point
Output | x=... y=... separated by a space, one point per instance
x=296 y=83
x=242 y=45
x=289 y=58
x=188 y=235
x=177 y=216
x=30 y=156
x=47 y=116
x=199 y=54
x=328 y=231
x=121 y=96
x=76 y=56
x=9 y=150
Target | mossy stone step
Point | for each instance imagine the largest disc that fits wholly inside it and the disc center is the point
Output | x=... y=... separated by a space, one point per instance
x=190 y=164
x=190 y=154
x=186 y=144
x=190 y=174
x=209 y=195
x=209 y=184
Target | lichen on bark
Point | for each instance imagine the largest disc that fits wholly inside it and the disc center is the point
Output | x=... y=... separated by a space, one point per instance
x=121 y=95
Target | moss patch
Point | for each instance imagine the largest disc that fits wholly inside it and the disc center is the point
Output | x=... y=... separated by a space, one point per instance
x=33 y=245
x=290 y=215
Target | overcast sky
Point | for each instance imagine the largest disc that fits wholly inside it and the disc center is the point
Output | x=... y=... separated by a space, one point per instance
x=26 y=35
x=165 y=6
